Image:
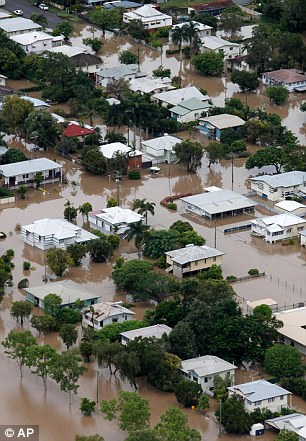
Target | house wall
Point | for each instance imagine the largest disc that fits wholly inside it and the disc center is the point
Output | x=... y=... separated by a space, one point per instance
x=210 y=131
x=99 y=224
x=203 y=33
x=21 y=31
x=27 y=179
x=196 y=266
x=135 y=162
x=275 y=194
x=274 y=404
x=46 y=242
x=98 y=324
x=38 y=46
x=191 y=116
x=207 y=382
x=152 y=24
x=90 y=69
x=303 y=240
x=228 y=51
x=268 y=81
x=300 y=347
x=287 y=233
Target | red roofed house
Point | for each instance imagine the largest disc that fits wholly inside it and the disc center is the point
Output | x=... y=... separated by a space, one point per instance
x=212 y=8
x=289 y=78
x=75 y=130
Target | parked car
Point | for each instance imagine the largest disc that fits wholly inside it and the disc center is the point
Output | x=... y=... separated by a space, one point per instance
x=18 y=12
x=43 y=6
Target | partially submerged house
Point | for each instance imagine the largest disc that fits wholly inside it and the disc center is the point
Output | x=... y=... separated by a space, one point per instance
x=294 y=422
x=291 y=207
x=189 y=110
x=134 y=157
x=102 y=314
x=150 y=85
x=154 y=331
x=18 y=25
x=50 y=233
x=213 y=126
x=203 y=370
x=291 y=79
x=76 y=130
x=113 y=220
x=149 y=16
x=37 y=42
x=122 y=72
x=192 y=259
x=161 y=149
x=174 y=97
x=37 y=103
x=23 y=173
x=261 y=394
x=280 y=186
x=203 y=30
x=220 y=46
x=293 y=331
x=81 y=58
x=278 y=227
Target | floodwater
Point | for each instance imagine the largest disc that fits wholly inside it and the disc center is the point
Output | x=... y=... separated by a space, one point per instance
x=24 y=402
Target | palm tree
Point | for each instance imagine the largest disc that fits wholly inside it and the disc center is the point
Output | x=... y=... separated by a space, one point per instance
x=85 y=209
x=192 y=30
x=180 y=34
x=144 y=207
x=137 y=231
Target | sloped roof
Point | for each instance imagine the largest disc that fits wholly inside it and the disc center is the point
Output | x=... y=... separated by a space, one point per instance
x=70 y=51
x=118 y=215
x=200 y=26
x=77 y=130
x=287 y=179
x=118 y=72
x=290 y=205
x=36 y=102
x=192 y=253
x=166 y=142
x=149 y=85
x=156 y=331
x=85 y=59
x=297 y=420
x=174 y=97
x=30 y=166
x=286 y=75
x=223 y=121
x=31 y=37
x=206 y=365
x=120 y=4
x=16 y=24
x=294 y=321
x=109 y=150
x=146 y=12
x=212 y=42
x=108 y=309
x=185 y=107
x=279 y=221
x=258 y=390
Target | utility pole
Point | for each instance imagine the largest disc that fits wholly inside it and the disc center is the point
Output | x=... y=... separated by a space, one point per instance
x=138 y=59
x=220 y=417
x=117 y=183
x=232 y=172
x=215 y=233
x=97 y=396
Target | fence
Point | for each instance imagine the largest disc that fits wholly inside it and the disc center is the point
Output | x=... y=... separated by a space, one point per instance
x=244 y=278
x=7 y=200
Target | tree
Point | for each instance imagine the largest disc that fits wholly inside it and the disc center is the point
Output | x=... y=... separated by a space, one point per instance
x=191 y=30
x=129 y=366
x=43 y=128
x=208 y=19
x=130 y=410
x=247 y=81
x=137 y=30
x=161 y=72
x=105 y=19
x=283 y=361
x=41 y=360
x=94 y=43
x=214 y=152
x=70 y=212
x=15 y=111
x=277 y=94
x=87 y=406
x=230 y=23
x=258 y=49
x=303 y=107
x=43 y=323
x=21 y=310
x=39 y=19
x=100 y=250
x=77 y=251
x=106 y=353
x=85 y=209
x=69 y=334
x=58 y=260
x=209 y=63
x=179 y=34
x=158 y=242
x=16 y=346
x=142 y=435
x=173 y=426
x=188 y=393
x=235 y=419
x=182 y=341
x=287 y=435
x=144 y=207
x=189 y=154
x=127 y=57
x=68 y=370
x=136 y=231
x=203 y=403
x=63 y=28
x=95 y=437
x=272 y=155
x=52 y=305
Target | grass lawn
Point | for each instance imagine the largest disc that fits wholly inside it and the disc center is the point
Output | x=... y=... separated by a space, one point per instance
x=182 y=4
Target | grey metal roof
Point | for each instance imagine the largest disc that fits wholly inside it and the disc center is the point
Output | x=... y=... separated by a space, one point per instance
x=119 y=71
x=297 y=420
x=192 y=253
x=18 y=24
x=224 y=121
x=156 y=331
x=120 y=4
x=30 y=166
x=206 y=365
x=219 y=201
x=174 y=97
x=187 y=106
x=288 y=179
x=258 y=390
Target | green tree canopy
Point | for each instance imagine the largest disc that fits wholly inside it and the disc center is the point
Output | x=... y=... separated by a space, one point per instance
x=16 y=345
x=188 y=392
x=128 y=57
x=235 y=419
x=58 y=260
x=173 y=426
x=69 y=334
x=15 y=111
x=247 y=81
x=189 y=154
x=63 y=28
x=283 y=361
x=209 y=63
x=20 y=310
x=42 y=128
x=277 y=94
x=41 y=360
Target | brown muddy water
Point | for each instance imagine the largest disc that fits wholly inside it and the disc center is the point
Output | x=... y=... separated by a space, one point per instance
x=24 y=402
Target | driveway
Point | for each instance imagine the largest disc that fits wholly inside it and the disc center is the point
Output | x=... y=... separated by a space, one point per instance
x=29 y=9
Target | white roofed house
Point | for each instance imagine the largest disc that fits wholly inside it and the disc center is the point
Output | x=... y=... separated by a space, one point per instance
x=204 y=369
x=150 y=85
x=291 y=207
x=189 y=110
x=279 y=227
x=134 y=157
x=154 y=331
x=37 y=103
x=261 y=394
x=18 y=25
x=280 y=186
x=37 y=42
x=149 y=16
x=203 y=30
x=221 y=46
x=50 y=233
x=122 y=72
x=113 y=220
x=161 y=149
x=102 y=314
x=192 y=259
x=293 y=331
x=174 y=97
x=23 y=173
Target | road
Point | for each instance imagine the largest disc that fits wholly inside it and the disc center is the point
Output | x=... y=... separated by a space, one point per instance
x=29 y=9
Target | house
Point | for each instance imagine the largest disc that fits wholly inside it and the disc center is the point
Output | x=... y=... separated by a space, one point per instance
x=150 y=85
x=203 y=30
x=37 y=42
x=218 y=204
x=122 y=72
x=37 y=103
x=278 y=227
x=174 y=97
x=68 y=291
x=212 y=126
x=161 y=149
x=3 y=79
x=4 y=15
x=134 y=157
x=212 y=8
x=294 y=422
x=302 y=235
x=75 y=130
x=273 y=304
x=220 y=46
x=124 y=4
x=5 y=90
x=149 y=16
x=18 y=25
x=189 y=110
x=291 y=207
x=113 y=220
x=192 y=259
x=154 y=331
x=81 y=58
x=204 y=369
x=23 y=173
x=261 y=394
x=102 y=314
x=289 y=78
x=293 y=331
x=280 y=186
x=239 y=63
x=50 y=233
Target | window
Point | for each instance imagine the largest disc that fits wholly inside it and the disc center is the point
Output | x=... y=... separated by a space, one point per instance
x=257 y=403
x=196 y=263
x=289 y=230
x=205 y=380
x=271 y=400
x=281 y=397
x=115 y=320
x=231 y=48
x=300 y=228
x=25 y=176
x=214 y=259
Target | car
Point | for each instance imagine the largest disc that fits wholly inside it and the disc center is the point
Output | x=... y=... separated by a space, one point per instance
x=43 y=7
x=18 y=12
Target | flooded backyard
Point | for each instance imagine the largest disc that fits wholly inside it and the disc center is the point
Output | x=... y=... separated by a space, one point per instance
x=24 y=402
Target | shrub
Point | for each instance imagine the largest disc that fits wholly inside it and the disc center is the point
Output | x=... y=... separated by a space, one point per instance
x=172 y=206
x=24 y=283
x=26 y=265
x=253 y=272
x=161 y=263
x=134 y=175
x=231 y=278
x=10 y=253
x=87 y=406
x=18 y=227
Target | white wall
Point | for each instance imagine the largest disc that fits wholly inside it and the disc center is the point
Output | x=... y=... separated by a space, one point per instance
x=274 y=404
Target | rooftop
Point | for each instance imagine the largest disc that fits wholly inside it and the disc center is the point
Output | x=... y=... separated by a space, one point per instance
x=31 y=37
x=77 y=130
x=108 y=309
x=120 y=4
x=219 y=201
x=30 y=166
x=190 y=105
x=224 y=121
x=206 y=365
x=70 y=51
x=117 y=215
x=289 y=205
x=118 y=72
x=156 y=331
x=149 y=85
x=206 y=7
x=281 y=220
x=213 y=42
x=146 y=13
x=286 y=75
x=166 y=142
x=258 y=390
x=36 y=102
x=268 y=302
x=18 y=24
x=294 y=321
x=68 y=290
x=109 y=150
x=192 y=253
x=200 y=26
x=297 y=420
x=174 y=97
x=288 y=179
